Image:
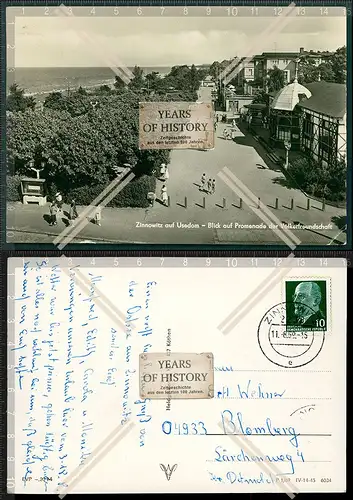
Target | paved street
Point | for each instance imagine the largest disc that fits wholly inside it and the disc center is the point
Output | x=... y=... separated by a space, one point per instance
x=186 y=169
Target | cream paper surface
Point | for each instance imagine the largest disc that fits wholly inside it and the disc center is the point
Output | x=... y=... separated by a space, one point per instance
x=77 y=329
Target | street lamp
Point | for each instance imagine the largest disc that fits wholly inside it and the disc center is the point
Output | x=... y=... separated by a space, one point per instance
x=287 y=145
x=36 y=170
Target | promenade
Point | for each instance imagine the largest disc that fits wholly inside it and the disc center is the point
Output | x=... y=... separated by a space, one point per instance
x=208 y=213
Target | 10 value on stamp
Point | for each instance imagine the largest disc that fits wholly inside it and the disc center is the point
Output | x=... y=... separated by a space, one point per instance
x=176 y=375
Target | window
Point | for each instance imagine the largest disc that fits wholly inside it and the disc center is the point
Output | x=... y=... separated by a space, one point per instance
x=308 y=126
x=250 y=72
x=327 y=139
x=275 y=62
x=283 y=134
x=286 y=75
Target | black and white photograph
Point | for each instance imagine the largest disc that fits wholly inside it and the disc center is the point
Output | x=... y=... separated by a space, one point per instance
x=267 y=167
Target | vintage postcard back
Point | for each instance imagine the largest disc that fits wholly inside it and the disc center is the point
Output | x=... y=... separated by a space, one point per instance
x=207 y=125
x=176 y=375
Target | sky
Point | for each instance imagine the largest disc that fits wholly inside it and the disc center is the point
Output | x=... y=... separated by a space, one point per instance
x=59 y=41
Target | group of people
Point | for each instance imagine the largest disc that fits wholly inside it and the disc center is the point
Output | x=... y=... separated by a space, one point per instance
x=207 y=186
x=164 y=176
x=56 y=208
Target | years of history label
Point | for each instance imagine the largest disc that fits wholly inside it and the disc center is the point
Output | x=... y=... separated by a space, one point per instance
x=176 y=375
x=176 y=125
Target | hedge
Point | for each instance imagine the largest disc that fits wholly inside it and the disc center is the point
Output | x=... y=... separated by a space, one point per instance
x=315 y=179
x=13 y=192
x=133 y=195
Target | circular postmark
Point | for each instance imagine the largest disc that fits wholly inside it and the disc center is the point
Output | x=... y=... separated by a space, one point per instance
x=282 y=344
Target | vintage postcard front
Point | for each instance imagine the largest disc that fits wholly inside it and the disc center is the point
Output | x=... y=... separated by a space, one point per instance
x=206 y=125
x=176 y=375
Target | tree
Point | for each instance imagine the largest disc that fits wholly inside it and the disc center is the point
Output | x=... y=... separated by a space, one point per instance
x=17 y=101
x=104 y=89
x=275 y=79
x=333 y=68
x=80 y=91
x=194 y=78
x=153 y=80
x=309 y=71
x=56 y=100
x=339 y=65
x=28 y=135
x=119 y=83
x=137 y=81
x=261 y=98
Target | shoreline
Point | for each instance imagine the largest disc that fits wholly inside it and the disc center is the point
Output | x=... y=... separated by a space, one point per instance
x=61 y=90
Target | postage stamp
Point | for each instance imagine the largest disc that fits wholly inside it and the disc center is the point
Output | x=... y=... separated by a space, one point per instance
x=285 y=347
x=176 y=125
x=307 y=304
x=176 y=375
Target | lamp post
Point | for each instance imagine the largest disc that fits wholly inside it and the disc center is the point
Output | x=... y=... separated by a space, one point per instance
x=287 y=145
x=36 y=170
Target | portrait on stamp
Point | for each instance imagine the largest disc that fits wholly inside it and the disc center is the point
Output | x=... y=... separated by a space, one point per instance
x=306 y=304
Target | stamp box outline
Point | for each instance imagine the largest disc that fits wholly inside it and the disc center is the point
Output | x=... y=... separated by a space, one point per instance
x=270 y=352
x=328 y=280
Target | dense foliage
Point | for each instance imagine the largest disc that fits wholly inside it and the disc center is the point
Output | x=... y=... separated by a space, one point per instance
x=316 y=179
x=83 y=135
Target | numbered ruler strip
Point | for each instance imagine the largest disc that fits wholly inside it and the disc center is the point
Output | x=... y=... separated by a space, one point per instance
x=262 y=9
x=181 y=262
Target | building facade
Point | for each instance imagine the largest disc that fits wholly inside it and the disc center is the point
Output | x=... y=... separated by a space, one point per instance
x=324 y=122
x=285 y=61
x=312 y=119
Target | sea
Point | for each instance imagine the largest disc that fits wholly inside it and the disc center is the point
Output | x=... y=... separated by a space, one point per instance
x=42 y=81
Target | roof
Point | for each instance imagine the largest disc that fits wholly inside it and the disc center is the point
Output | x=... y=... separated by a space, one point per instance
x=276 y=55
x=255 y=106
x=327 y=98
x=288 y=97
x=32 y=179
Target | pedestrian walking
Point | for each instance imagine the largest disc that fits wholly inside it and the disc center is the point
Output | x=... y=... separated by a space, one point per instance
x=203 y=182
x=151 y=196
x=53 y=209
x=209 y=186
x=72 y=212
x=215 y=126
x=98 y=215
x=213 y=188
x=59 y=200
x=164 y=195
x=166 y=174
x=162 y=170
